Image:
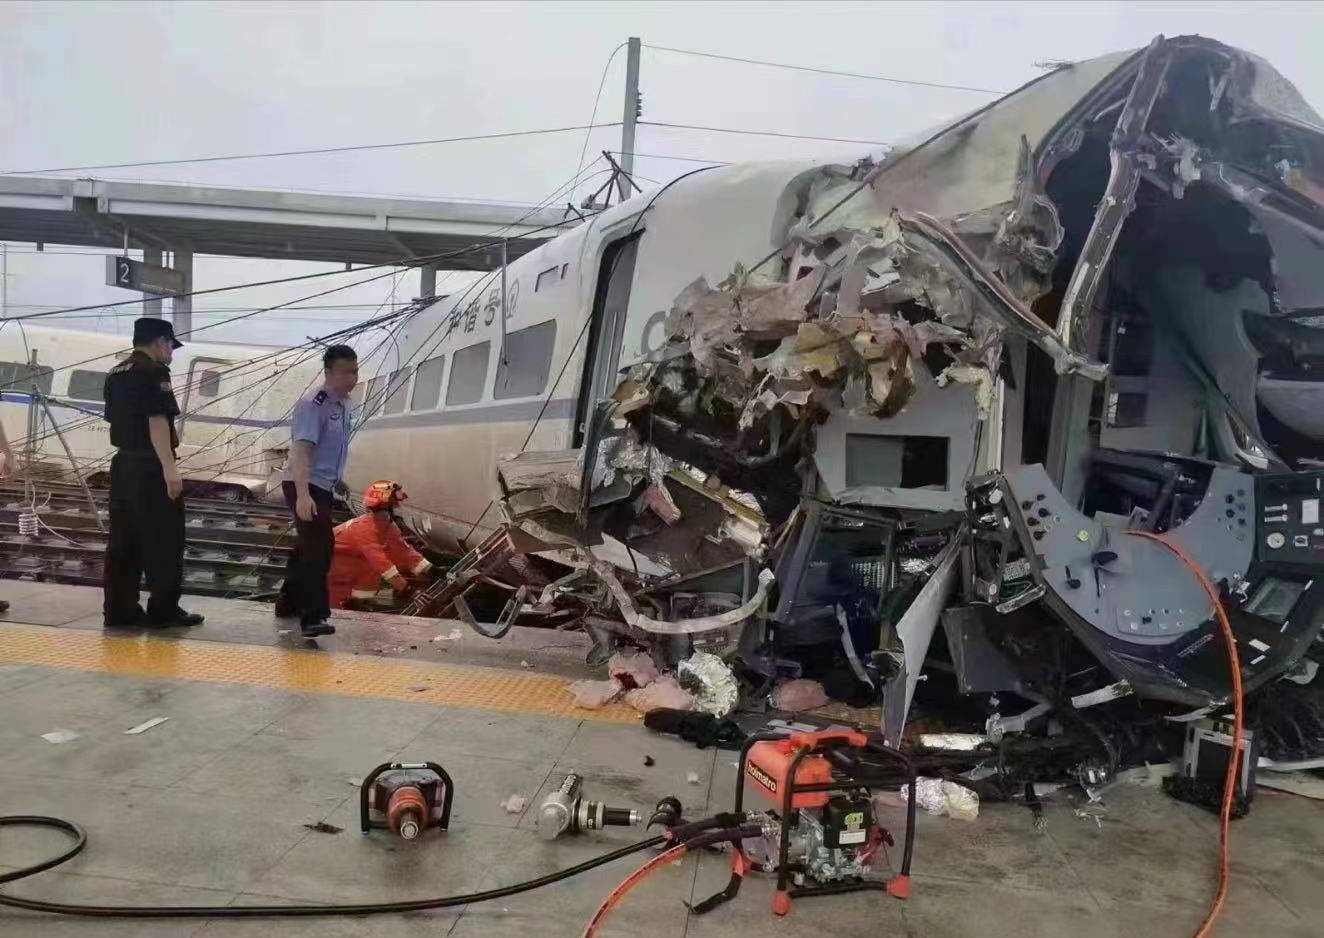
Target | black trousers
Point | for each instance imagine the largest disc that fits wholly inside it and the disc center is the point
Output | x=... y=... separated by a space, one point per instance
x=146 y=537
x=309 y=563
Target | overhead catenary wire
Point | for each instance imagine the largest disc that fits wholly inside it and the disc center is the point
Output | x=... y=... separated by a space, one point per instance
x=412 y=262
x=913 y=82
x=235 y=369
x=593 y=117
x=310 y=151
x=256 y=312
x=672 y=156
x=763 y=133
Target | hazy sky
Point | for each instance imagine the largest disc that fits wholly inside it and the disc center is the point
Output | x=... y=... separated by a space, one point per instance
x=87 y=83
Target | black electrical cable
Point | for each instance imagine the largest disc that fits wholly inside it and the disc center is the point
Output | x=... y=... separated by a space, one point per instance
x=267 y=911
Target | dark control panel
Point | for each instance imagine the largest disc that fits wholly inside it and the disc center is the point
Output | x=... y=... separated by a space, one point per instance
x=1289 y=524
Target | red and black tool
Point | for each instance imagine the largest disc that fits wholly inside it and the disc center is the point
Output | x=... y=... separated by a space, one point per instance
x=406 y=798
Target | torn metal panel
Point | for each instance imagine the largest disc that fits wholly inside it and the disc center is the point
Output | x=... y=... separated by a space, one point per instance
x=915 y=631
x=646 y=625
x=1001 y=302
x=969 y=164
x=1298 y=404
x=1118 y=199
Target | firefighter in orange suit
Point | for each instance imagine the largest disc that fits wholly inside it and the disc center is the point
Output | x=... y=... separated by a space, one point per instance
x=370 y=549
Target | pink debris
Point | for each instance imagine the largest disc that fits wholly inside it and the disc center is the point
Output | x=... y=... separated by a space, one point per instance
x=797 y=695
x=593 y=695
x=632 y=669
x=659 y=501
x=665 y=693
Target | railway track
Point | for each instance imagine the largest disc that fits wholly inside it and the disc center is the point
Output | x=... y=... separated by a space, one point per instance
x=231 y=549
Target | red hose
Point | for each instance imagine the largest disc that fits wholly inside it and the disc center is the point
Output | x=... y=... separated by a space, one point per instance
x=617 y=894
x=1230 y=780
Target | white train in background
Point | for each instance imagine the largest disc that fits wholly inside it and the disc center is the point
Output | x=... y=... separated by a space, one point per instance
x=235 y=402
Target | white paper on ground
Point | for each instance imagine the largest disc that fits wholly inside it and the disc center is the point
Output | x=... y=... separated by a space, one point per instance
x=145 y=726
x=59 y=736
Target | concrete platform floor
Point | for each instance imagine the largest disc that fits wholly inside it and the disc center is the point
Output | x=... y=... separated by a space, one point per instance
x=210 y=807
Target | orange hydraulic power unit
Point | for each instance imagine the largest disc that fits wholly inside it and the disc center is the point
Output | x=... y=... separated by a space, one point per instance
x=823 y=826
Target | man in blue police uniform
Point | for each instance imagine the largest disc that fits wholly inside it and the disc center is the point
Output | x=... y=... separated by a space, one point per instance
x=146 y=490
x=319 y=445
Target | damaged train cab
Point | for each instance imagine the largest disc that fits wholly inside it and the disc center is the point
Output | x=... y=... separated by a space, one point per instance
x=923 y=414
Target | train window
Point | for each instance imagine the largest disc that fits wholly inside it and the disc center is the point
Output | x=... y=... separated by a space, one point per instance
x=398 y=392
x=209 y=383
x=525 y=362
x=17 y=376
x=87 y=385
x=908 y=462
x=547 y=278
x=372 y=400
x=468 y=374
x=427 y=384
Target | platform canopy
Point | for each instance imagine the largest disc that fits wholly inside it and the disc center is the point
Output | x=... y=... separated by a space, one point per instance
x=262 y=223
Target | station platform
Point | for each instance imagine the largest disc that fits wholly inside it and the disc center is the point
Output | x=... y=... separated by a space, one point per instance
x=268 y=736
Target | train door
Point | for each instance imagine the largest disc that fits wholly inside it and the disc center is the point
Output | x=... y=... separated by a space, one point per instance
x=611 y=303
x=210 y=441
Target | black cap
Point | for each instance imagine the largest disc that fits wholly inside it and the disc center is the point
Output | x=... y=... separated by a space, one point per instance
x=148 y=329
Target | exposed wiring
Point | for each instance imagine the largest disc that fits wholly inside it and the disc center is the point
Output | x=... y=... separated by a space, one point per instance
x=1238 y=753
x=506 y=135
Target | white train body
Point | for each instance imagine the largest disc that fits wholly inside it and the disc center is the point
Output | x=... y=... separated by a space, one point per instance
x=235 y=402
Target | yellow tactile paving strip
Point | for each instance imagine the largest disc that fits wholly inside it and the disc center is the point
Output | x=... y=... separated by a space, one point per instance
x=301 y=671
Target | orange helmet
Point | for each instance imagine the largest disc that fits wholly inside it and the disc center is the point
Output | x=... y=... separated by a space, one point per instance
x=383 y=494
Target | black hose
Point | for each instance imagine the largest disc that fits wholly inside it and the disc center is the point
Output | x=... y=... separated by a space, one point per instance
x=266 y=911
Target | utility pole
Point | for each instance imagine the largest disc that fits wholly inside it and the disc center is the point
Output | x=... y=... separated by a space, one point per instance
x=630 y=117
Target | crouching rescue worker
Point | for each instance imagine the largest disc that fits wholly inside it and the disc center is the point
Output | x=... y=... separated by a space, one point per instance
x=371 y=550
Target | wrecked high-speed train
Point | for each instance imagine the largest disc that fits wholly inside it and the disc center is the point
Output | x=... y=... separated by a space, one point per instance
x=918 y=411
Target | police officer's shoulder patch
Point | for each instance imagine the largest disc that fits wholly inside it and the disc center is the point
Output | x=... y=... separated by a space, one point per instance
x=319 y=397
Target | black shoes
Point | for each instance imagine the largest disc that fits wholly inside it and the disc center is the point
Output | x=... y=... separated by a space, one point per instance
x=4 y=605
x=285 y=609
x=314 y=629
x=133 y=618
x=175 y=619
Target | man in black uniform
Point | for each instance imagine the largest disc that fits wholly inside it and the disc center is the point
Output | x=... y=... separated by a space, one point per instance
x=146 y=490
